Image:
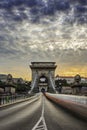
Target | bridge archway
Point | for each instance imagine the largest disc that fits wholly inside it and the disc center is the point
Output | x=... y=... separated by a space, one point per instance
x=44 y=71
x=43 y=83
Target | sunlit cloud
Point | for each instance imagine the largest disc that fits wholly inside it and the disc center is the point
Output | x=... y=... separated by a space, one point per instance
x=43 y=30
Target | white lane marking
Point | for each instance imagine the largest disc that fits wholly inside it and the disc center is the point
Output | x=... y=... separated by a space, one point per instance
x=41 y=126
x=38 y=126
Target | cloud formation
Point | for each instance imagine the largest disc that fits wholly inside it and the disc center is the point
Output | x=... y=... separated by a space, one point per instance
x=44 y=29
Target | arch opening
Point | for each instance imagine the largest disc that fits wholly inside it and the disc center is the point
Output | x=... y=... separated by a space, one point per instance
x=43 y=83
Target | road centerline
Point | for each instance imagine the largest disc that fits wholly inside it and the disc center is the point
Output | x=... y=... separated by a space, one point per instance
x=42 y=119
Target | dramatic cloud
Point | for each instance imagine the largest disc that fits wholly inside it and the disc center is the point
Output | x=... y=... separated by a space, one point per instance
x=52 y=30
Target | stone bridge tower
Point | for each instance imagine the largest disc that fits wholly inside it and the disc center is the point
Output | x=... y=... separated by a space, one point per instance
x=43 y=74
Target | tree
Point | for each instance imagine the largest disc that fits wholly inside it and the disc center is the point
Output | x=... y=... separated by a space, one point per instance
x=23 y=88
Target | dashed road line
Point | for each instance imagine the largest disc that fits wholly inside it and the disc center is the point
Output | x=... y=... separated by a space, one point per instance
x=41 y=124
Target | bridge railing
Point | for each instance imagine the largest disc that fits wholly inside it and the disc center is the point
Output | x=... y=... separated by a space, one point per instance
x=5 y=99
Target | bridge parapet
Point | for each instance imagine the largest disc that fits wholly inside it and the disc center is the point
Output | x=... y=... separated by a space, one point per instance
x=74 y=104
x=72 y=98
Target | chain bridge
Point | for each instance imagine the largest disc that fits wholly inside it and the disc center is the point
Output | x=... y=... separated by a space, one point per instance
x=43 y=74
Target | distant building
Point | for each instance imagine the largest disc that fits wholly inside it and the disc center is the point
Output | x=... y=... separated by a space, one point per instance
x=7 y=89
x=83 y=80
x=3 y=77
x=1 y=90
x=18 y=81
x=70 y=79
x=7 y=85
x=10 y=89
x=8 y=78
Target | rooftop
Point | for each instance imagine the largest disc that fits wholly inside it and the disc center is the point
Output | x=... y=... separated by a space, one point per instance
x=43 y=62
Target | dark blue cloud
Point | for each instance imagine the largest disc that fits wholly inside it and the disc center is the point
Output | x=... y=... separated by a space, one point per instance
x=17 y=18
x=81 y=9
x=35 y=19
x=38 y=8
x=10 y=3
x=49 y=9
x=31 y=3
x=80 y=14
x=34 y=11
x=21 y=6
x=55 y=5
x=82 y=2
x=82 y=20
x=62 y=5
x=51 y=4
x=2 y=38
x=22 y=16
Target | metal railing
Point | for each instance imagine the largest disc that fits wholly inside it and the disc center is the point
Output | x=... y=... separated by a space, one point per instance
x=5 y=99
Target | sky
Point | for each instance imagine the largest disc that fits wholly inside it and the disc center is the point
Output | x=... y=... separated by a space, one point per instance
x=43 y=30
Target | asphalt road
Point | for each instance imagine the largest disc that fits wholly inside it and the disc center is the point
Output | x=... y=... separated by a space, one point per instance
x=41 y=114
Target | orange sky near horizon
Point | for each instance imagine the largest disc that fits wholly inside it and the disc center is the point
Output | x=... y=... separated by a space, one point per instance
x=25 y=72
x=43 y=31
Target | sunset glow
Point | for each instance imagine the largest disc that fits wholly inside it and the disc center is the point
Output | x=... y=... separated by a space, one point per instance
x=43 y=30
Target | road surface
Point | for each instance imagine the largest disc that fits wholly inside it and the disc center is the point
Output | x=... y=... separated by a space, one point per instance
x=38 y=114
